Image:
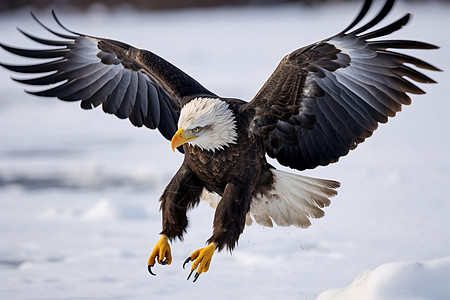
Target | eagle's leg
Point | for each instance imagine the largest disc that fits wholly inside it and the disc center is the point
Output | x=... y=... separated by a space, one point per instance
x=181 y=193
x=229 y=222
x=161 y=252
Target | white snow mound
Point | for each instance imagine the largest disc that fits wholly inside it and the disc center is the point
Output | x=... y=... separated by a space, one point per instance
x=398 y=280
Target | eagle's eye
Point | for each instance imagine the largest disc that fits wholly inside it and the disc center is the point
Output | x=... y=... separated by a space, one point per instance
x=195 y=130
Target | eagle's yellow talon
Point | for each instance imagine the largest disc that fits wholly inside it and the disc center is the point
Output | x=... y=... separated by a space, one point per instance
x=202 y=259
x=161 y=252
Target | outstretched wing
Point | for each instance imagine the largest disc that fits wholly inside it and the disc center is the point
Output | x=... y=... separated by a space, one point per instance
x=326 y=98
x=127 y=82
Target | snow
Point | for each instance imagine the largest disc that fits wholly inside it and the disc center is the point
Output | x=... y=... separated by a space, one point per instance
x=79 y=190
x=400 y=280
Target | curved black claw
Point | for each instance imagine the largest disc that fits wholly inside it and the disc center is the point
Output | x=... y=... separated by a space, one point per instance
x=186 y=261
x=150 y=270
x=195 y=276
x=192 y=271
x=164 y=262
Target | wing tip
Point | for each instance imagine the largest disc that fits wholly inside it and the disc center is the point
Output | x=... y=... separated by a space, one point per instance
x=65 y=36
x=62 y=26
x=362 y=12
x=382 y=13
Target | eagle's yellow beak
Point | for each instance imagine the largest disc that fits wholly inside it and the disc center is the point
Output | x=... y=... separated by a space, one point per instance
x=179 y=139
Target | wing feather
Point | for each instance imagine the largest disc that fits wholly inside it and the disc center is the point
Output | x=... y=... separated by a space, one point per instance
x=65 y=36
x=127 y=82
x=44 y=41
x=377 y=19
x=129 y=99
x=167 y=125
x=152 y=109
x=359 y=111
x=387 y=29
x=102 y=94
x=138 y=114
x=99 y=80
x=54 y=53
x=326 y=98
x=117 y=96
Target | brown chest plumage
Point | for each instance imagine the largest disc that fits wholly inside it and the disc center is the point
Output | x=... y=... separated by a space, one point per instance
x=241 y=161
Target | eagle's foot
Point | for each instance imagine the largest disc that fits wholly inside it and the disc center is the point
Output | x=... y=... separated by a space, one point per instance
x=202 y=259
x=161 y=252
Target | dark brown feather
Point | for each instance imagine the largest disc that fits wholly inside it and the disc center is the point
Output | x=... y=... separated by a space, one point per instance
x=326 y=98
x=127 y=82
x=183 y=192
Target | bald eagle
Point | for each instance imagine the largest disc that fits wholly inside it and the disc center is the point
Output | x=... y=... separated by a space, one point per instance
x=320 y=102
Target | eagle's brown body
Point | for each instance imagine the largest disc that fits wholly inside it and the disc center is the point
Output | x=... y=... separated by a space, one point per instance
x=236 y=173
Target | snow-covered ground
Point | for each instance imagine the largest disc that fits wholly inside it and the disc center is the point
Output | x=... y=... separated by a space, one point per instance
x=79 y=211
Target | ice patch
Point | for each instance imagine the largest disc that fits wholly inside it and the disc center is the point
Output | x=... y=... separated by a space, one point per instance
x=105 y=210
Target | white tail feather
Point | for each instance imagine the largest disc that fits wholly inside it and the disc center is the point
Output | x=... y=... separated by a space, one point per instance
x=292 y=200
x=212 y=198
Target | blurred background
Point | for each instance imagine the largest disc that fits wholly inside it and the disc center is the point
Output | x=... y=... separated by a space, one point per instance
x=159 y=5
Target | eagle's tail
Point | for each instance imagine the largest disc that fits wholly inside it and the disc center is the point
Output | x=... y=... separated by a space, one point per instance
x=291 y=201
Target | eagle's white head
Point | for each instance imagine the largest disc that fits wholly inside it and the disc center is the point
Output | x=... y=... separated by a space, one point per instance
x=207 y=123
